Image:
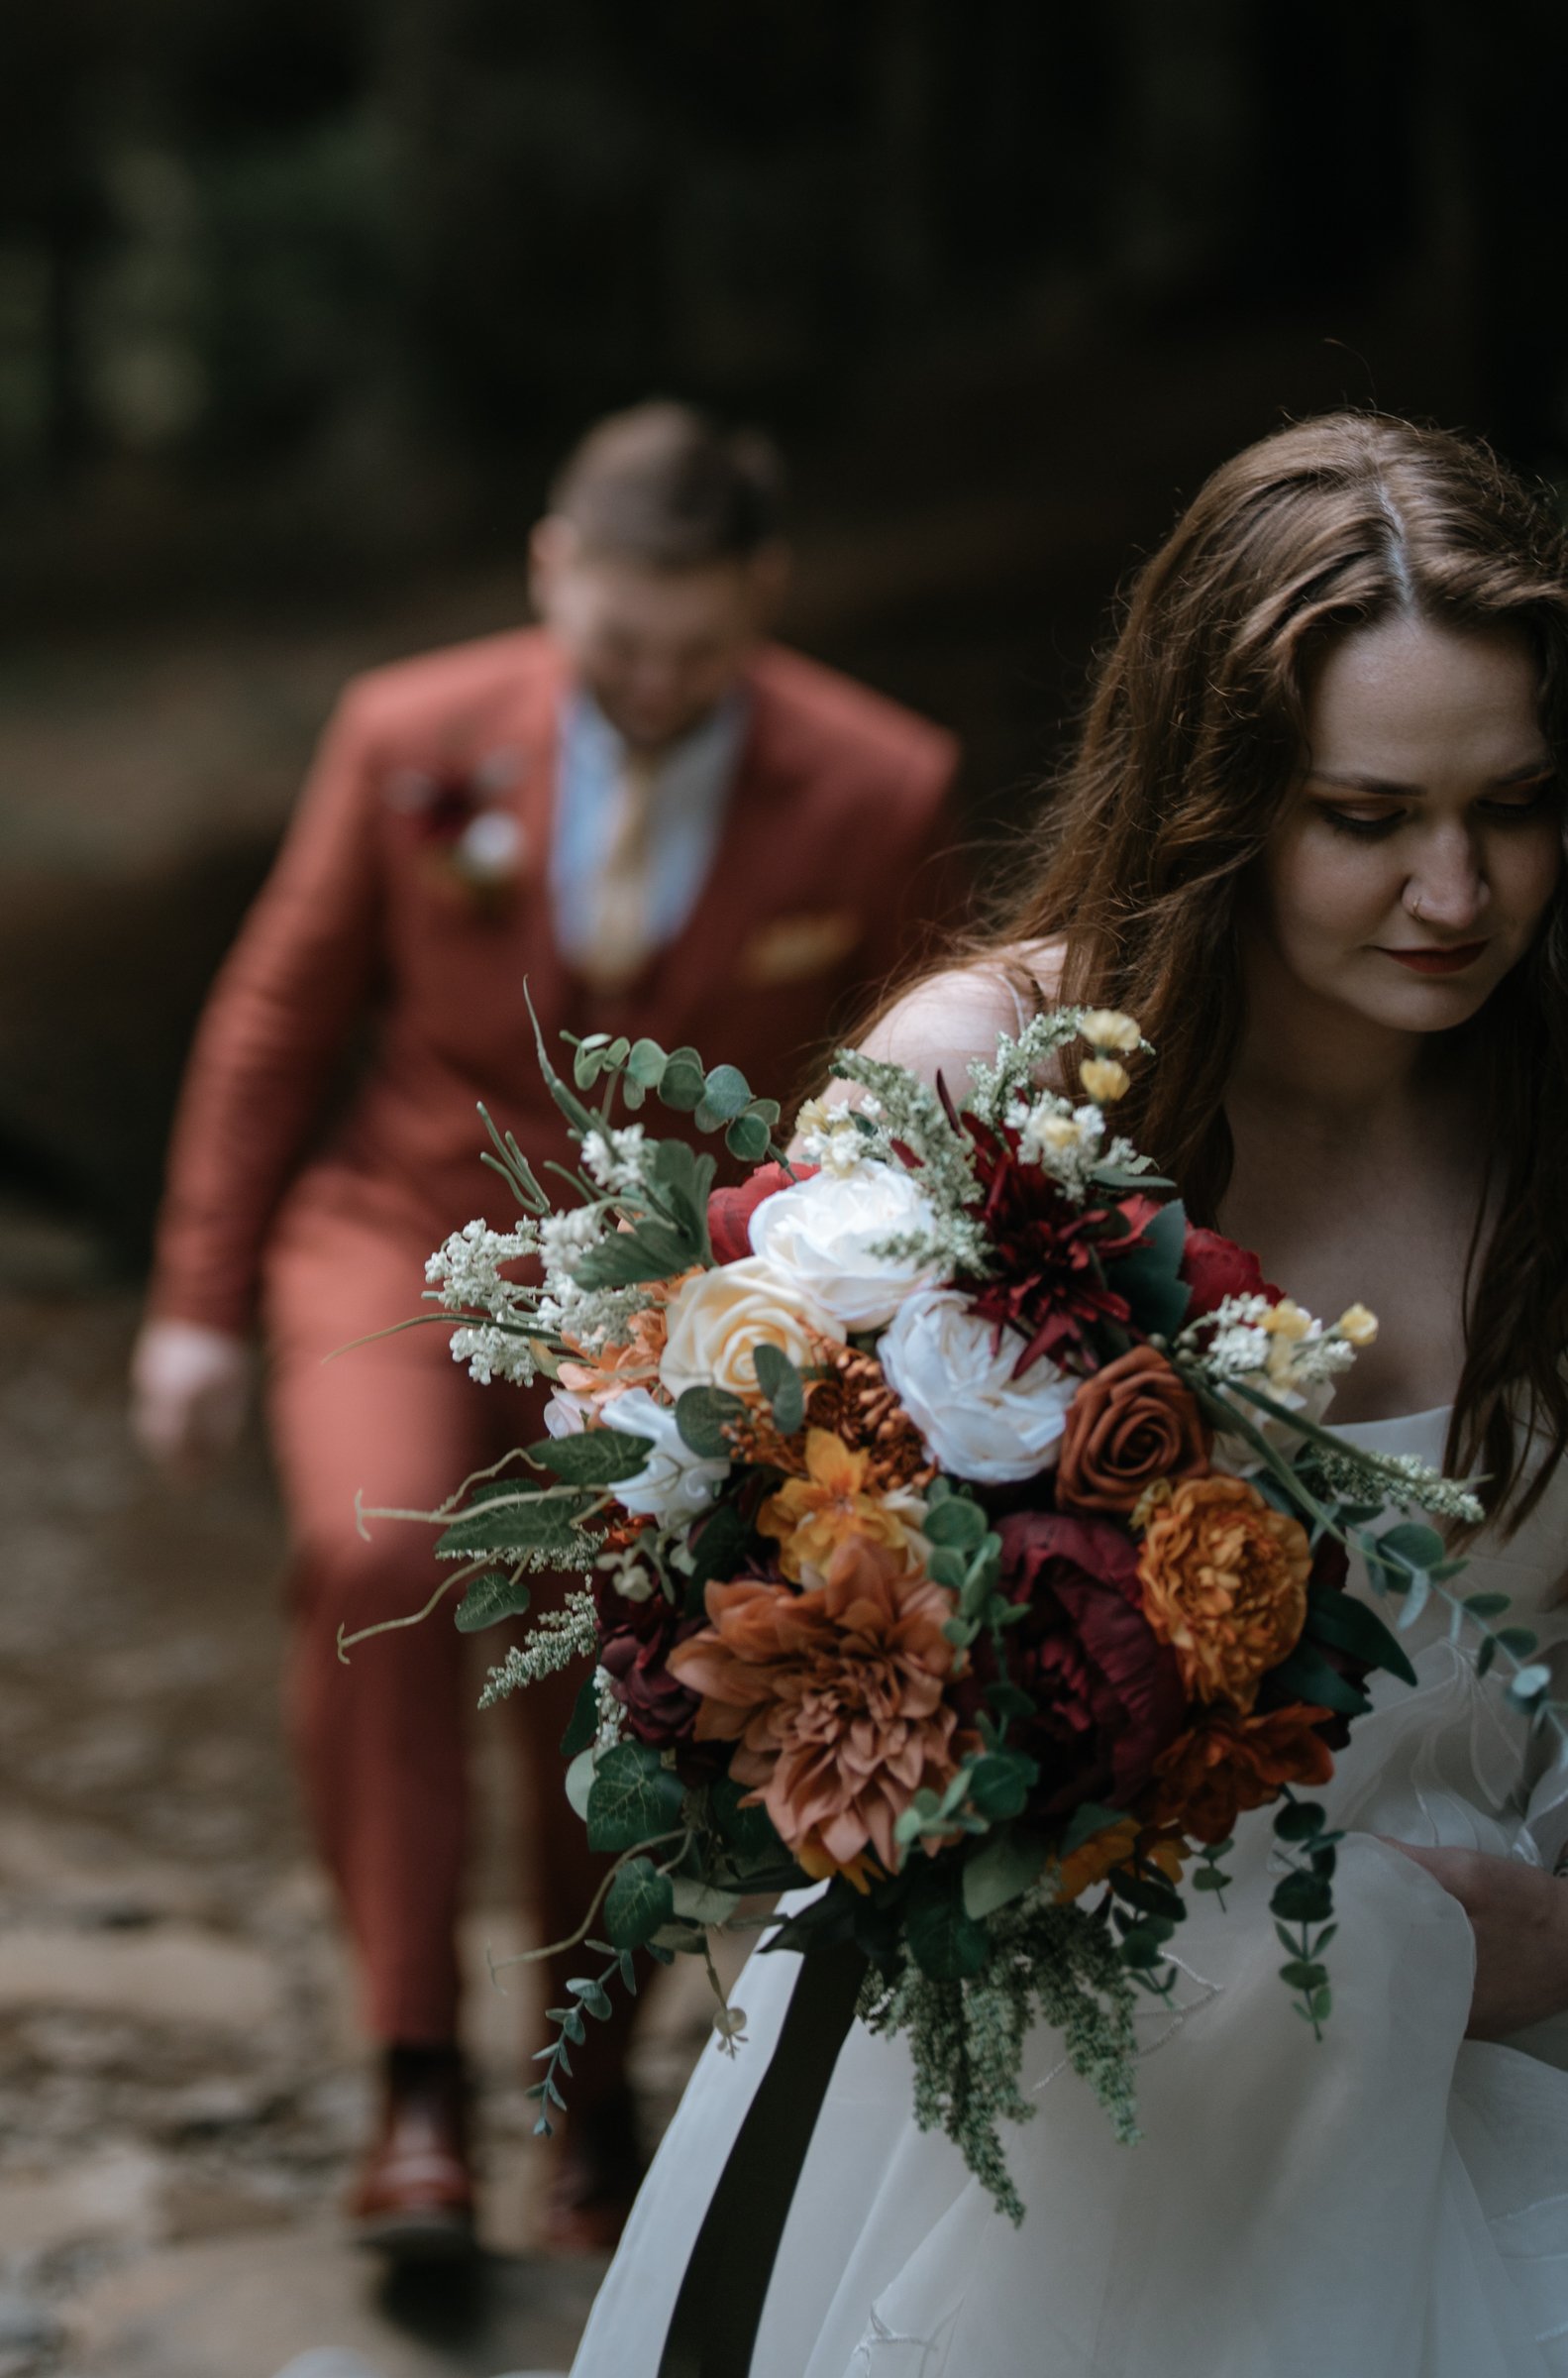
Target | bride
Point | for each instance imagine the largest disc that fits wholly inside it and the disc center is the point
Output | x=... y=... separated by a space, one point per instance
x=1313 y=838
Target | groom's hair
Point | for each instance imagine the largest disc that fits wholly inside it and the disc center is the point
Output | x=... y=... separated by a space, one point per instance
x=664 y=486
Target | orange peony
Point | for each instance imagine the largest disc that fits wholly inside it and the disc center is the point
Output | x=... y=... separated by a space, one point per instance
x=813 y=1516
x=1231 y=1763
x=1225 y=1583
x=833 y=1699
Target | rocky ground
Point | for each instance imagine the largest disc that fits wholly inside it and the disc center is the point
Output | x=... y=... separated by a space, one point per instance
x=182 y=2089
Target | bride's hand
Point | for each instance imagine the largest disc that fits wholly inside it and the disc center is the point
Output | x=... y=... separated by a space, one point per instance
x=1519 y=1918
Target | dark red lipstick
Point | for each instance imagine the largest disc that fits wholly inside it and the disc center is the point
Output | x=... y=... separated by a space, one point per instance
x=1439 y=961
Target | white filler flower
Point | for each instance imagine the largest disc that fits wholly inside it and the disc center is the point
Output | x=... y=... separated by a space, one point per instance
x=821 y=1235
x=674 y=1485
x=978 y=1421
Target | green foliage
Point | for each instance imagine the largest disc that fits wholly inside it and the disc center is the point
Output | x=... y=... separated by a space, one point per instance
x=544 y=1521
x=492 y=1598
x=945 y=1942
x=1149 y=1278
x=999 y=1785
x=718 y=1549
x=1349 y=1625
x=702 y=1414
x=584 y=1724
x=635 y=1798
x=1000 y=1869
x=966 y=2034
x=747 y=1832
x=637 y=1902
x=597 y=1458
x=717 y=1098
x=1306 y=1675
x=782 y=1384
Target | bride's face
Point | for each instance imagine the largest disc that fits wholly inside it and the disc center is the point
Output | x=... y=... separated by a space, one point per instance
x=1415 y=861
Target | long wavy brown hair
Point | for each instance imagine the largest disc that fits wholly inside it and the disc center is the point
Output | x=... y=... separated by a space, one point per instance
x=1192 y=744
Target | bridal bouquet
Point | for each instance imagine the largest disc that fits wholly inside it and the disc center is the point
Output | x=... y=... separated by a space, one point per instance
x=958 y=1534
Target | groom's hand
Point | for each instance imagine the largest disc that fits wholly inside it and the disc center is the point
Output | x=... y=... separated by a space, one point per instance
x=1519 y=1918
x=189 y=1390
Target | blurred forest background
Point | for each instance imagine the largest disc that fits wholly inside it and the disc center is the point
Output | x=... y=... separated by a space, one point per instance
x=301 y=300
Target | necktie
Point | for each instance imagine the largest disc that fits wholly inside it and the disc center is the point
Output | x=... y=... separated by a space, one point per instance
x=619 y=939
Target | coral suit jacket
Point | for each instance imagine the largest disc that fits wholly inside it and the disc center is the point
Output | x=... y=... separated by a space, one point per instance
x=829 y=855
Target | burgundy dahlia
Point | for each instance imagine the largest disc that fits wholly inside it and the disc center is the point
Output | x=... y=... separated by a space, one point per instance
x=1049 y=1284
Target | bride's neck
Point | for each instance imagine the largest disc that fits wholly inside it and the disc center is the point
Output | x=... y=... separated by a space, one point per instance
x=1333 y=1071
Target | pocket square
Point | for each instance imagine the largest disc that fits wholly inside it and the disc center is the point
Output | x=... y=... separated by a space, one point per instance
x=786 y=949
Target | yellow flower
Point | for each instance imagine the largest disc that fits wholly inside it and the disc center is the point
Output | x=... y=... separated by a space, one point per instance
x=1108 y=1028
x=1059 y=1131
x=813 y=1516
x=1104 y=1080
x=1103 y=1853
x=1286 y=1319
x=1358 y=1326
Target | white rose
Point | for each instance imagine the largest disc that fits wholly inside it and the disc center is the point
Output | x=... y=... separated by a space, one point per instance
x=979 y=1422
x=719 y=1318
x=820 y=1234
x=674 y=1484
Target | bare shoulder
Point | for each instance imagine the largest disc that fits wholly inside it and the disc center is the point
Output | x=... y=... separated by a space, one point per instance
x=952 y=1018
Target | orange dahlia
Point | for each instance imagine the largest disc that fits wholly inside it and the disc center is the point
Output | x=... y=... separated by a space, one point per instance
x=833 y=1699
x=1231 y=1763
x=1225 y=1583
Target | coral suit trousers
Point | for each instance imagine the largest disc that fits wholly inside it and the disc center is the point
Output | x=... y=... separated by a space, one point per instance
x=381 y=1742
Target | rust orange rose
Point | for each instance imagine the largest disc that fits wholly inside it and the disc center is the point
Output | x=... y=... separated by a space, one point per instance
x=1129 y=1424
x=1231 y=1763
x=1224 y=1584
x=833 y=1699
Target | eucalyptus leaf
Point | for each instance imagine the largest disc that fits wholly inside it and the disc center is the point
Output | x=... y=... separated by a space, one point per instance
x=1005 y=1865
x=580 y=1780
x=1417 y=1546
x=747 y=1137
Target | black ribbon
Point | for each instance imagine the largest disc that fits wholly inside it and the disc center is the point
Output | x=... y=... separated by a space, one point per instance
x=718 y=2310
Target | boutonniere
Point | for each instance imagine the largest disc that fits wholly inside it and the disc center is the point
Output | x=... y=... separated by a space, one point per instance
x=470 y=835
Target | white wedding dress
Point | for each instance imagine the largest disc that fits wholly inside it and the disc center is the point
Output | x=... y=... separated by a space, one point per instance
x=1390 y=2204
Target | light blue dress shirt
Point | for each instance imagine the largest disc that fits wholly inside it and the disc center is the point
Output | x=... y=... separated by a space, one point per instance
x=687 y=800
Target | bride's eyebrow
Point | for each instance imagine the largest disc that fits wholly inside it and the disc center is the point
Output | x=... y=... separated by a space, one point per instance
x=1382 y=788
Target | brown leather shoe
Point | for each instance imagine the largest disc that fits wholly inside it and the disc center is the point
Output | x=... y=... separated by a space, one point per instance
x=598 y=2170
x=414 y=2198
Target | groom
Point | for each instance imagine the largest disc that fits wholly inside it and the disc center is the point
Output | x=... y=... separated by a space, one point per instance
x=649 y=819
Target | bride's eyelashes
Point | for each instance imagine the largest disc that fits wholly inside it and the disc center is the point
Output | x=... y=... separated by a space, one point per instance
x=1517 y=805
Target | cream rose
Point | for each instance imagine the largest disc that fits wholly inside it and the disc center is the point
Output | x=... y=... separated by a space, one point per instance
x=719 y=1318
x=821 y=1236
x=978 y=1421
